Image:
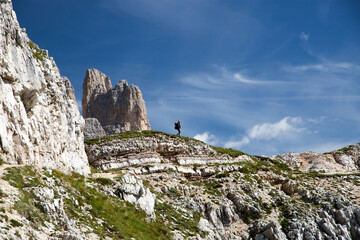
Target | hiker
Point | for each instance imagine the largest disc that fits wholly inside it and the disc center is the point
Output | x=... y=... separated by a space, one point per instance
x=178 y=127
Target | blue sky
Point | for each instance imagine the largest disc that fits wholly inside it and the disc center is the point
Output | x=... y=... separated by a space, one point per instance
x=265 y=77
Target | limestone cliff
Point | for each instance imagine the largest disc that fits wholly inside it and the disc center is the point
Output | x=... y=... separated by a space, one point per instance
x=39 y=120
x=118 y=109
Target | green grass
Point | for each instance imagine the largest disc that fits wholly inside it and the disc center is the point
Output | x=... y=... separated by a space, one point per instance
x=178 y=220
x=15 y=223
x=38 y=53
x=138 y=134
x=23 y=178
x=229 y=151
x=128 y=222
x=104 y=181
x=85 y=205
x=211 y=188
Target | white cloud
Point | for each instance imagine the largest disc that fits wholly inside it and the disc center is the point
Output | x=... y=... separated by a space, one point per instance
x=207 y=138
x=304 y=36
x=284 y=129
x=237 y=144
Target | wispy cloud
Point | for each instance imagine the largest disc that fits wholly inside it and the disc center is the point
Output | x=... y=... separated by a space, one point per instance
x=328 y=67
x=304 y=36
x=221 y=77
x=207 y=138
x=185 y=16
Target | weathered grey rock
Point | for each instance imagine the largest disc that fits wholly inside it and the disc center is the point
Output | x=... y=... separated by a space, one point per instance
x=131 y=189
x=39 y=124
x=93 y=129
x=339 y=161
x=69 y=89
x=118 y=109
x=148 y=150
x=95 y=83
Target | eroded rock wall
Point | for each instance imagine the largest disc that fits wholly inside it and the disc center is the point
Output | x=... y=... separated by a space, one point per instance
x=118 y=109
x=40 y=123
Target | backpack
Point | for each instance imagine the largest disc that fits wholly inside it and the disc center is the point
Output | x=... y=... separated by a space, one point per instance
x=176 y=126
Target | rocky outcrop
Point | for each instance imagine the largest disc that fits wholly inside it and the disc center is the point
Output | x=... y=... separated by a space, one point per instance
x=39 y=122
x=93 y=129
x=343 y=160
x=69 y=89
x=118 y=109
x=95 y=83
x=152 y=147
x=131 y=189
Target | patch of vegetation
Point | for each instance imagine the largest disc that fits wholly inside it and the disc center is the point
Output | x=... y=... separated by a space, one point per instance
x=211 y=188
x=285 y=223
x=344 y=150
x=2 y=194
x=137 y=134
x=38 y=53
x=195 y=166
x=187 y=223
x=128 y=222
x=174 y=193
x=23 y=178
x=229 y=151
x=94 y=170
x=104 y=181
x=222 y=175
x=15 y=223
x=248 y=216
x=2 y=162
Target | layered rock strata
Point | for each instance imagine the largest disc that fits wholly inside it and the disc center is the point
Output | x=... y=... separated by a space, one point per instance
x=118 y=109
x=161 y=148
x=234 y=197
x=39 y=120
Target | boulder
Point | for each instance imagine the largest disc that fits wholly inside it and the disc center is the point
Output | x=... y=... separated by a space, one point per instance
x=132 y=190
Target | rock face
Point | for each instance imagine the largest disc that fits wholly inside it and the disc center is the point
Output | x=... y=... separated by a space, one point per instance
x=69 y=89
x=95 y=83
x=39 y=120
x=93 y=129
x=343 y=160
x=118 y=109
x=151 y=148
x=132 y=190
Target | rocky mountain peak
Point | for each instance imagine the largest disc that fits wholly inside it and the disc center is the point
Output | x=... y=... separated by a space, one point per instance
x=118 y=109
x=95 y=82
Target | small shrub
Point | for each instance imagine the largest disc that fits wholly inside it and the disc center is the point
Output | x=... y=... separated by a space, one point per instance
x=15 y=223
x=222 y=175
x=104 y=181
x=38 y=53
